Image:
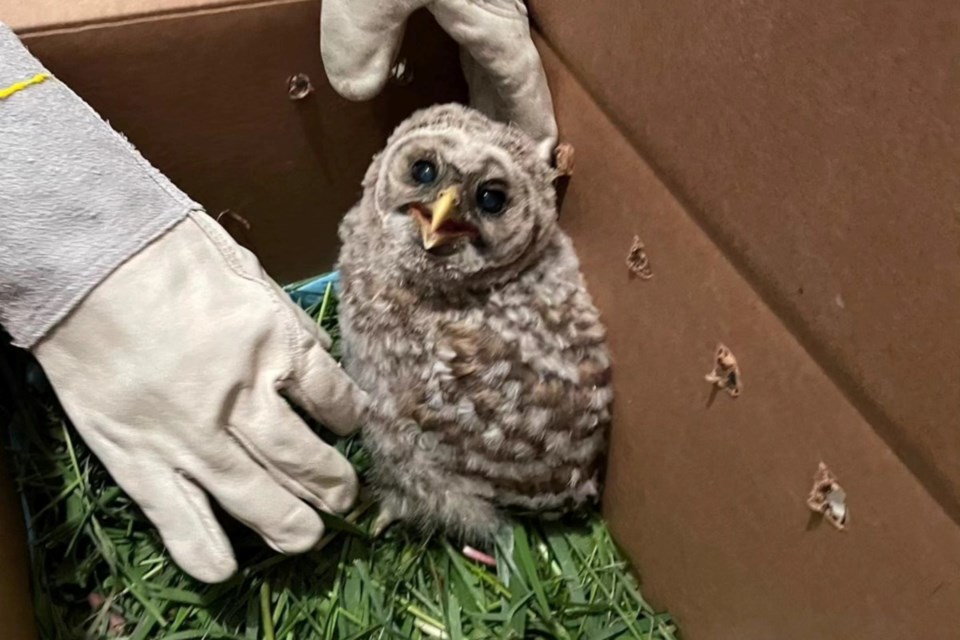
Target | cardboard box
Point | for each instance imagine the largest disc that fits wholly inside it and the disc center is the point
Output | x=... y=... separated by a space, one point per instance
x=792 y=171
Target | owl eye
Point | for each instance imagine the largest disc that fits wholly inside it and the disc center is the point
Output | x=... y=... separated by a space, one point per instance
x=491 y=199
x=423 y=172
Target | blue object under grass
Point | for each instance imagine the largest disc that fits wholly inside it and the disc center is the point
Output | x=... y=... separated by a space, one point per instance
x=309 y=292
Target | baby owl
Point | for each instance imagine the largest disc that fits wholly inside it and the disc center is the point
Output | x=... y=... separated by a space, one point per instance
x=464 y=315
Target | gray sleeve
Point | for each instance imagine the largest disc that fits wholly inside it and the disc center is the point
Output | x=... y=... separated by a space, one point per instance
x=76 y=199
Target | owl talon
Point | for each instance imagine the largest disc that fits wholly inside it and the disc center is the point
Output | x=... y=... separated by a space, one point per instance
x=382 y=522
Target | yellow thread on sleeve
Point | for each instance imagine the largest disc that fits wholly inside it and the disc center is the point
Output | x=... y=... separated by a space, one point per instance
x=20 y=86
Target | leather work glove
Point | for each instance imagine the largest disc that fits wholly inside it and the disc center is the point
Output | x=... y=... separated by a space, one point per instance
x=359 y=41
x=168 y=346
x=172 y=371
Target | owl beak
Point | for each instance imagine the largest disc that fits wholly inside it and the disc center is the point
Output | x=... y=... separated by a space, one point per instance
x=439 y=221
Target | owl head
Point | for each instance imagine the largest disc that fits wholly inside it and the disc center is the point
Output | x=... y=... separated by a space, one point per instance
x=458 y=199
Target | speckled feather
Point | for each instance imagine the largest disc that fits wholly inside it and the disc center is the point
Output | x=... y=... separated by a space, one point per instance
x=488 y=369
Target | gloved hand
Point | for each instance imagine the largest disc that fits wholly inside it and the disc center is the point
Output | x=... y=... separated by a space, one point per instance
x=172 y=370
x=359 y=40
x=167 y=344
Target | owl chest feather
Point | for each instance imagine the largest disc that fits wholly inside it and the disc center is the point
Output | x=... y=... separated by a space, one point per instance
x=512 y=385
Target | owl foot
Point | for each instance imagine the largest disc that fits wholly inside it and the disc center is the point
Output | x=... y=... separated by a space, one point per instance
x=384 y=519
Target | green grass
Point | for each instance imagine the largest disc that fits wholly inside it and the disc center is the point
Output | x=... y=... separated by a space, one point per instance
x=101 y=571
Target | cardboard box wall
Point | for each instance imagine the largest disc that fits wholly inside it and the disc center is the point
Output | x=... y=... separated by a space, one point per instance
x=792 y=169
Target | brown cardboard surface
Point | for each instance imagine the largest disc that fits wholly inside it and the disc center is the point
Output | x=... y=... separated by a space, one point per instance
x=43 y=15
x=709 y=499
x=789 y=161
x=203 y=95
x=818 y=146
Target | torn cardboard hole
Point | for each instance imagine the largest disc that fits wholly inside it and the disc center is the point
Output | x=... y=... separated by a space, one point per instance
x=637 y=261
x=299 y=86
x=564 y=159
x=726 y=372
x=400 y=73
x=828 y=498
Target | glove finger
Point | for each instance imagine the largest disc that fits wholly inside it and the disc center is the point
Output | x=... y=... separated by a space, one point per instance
x=177 y=507
x=483 y=93
x=248 y=493
x=318 y=384
x=190 y=531
x=324 y=390
x=359 y=40
x=180 y=511
x=295 y=456
x=497 y=37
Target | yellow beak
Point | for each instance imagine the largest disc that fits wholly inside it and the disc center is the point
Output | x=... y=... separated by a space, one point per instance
x=442 y=210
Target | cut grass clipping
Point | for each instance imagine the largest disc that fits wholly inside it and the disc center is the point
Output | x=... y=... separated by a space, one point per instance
x=100 y=570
